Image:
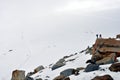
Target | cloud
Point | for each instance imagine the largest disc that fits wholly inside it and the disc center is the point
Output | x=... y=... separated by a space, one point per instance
x=89 y=5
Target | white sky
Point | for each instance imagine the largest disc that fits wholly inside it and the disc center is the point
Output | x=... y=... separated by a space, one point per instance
x=42 y=29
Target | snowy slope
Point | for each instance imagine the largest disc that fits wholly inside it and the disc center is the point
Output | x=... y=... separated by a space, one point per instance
x=78 y=62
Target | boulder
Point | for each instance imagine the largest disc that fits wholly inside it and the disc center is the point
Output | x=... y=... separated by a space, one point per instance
x=58 y=64
x=97 y=57
x=28 y=78
x=118 y=36
x=39 y=79
x=67 y=78
x=91 y=67
x=30 y=74
x=80 y=68
x=39 y=68
x=61 y=77
x=105 y=77
x=18 y=75
x=69 y=72
x=115 y=67
x=107 y=59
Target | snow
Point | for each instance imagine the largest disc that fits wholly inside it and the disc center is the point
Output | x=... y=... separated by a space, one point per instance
x=39 y=34
x=78 y=62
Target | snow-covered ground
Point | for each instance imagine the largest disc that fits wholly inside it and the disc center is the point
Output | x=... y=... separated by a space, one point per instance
x=39 y=32
x=80 y=60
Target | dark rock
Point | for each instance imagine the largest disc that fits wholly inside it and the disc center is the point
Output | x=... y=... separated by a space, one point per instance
x=91 y=67
x=39 y=79
x=67 y=78
x=30 y=73
x=61 y=77
x=115 y=67
x=105 y=77
x=90 y=61
x=70 y=60
x=69 y=72
x=28 y=78
x=58 y=64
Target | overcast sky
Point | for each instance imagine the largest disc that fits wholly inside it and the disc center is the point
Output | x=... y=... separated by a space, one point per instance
x=48 y=28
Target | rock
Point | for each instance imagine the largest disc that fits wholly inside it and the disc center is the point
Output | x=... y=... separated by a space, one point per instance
x=69 y=72
x=105 y=51
x=105 y=77
x=18 y=75
x=97 y=57
x=107 y=60
x=80 y=68
x=115 y=67
x=67 y=78
x=61 y=77
x=28 y=78
x=90 y=61
x=118 y=36
x=91 y=67
x=30 y=74
x=39 y=68
x=58 y=64
x=39 y=79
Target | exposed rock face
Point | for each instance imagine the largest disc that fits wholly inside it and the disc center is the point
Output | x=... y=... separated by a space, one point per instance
x=115 y=67
x=58 y=64
x=18 y=75
x=105 y=51
x=91 y=67
x=106 y=46
x=105 y=77
x=38 y=68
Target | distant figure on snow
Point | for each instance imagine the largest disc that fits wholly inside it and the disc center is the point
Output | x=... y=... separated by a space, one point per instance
x=10 y=50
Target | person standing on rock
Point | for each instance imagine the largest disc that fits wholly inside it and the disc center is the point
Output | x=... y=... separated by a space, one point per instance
x=100 y=36
x=97 y=36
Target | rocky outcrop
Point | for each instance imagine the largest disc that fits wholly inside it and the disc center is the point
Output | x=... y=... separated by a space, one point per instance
x=18 y=75
x=105 y=77
x=107 y=46
x=105 y=51
x=115 y=67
